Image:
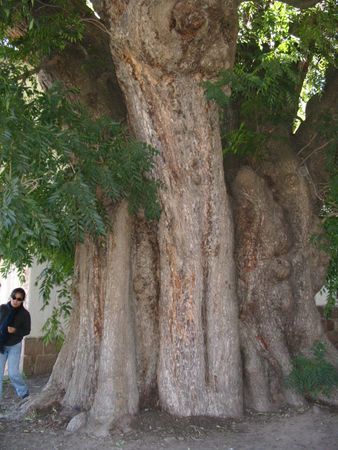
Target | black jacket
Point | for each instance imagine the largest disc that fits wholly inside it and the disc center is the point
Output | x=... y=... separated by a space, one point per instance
x=21 y=321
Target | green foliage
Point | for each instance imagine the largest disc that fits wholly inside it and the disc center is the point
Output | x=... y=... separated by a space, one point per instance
x=281 y=62
x=283 y=56
x=331 y=281
x=265 y=82
x=57 y=168
x=316 y=29
x=267 y=98
x=243 y=140
x=34 y=30
x=53 y=328
x=331 y=219
x=56 y=324
x=282 y=29
x=313 y=376
x=329 y=241
x=263 y=92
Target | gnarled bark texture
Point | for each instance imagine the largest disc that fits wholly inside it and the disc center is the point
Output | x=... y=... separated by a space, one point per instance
x=145 y=272
x=276 y=202
x=160 y=64
x=165 y=312
x=110 y=280
x=279 y=273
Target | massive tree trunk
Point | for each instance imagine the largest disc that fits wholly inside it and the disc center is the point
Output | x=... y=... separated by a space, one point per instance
x=280 y=269
x=161 y=63
x=279 y=273
x=196 y=321
x=115 y=284
x=157 y=306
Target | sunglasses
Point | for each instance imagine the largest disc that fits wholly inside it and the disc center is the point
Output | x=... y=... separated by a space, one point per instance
x=19 y=299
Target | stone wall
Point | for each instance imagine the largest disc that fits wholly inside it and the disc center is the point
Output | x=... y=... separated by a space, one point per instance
x=38 y=358
x=330 y=325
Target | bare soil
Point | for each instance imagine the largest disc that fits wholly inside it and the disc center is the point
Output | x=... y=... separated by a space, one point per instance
x=312 y=428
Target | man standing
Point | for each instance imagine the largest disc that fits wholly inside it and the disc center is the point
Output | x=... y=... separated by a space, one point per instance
x=15 y=323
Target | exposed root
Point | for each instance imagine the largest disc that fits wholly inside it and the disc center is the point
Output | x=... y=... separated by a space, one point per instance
x=330 y=400
x=77 y=423
x=98 y=429
x=50 y=396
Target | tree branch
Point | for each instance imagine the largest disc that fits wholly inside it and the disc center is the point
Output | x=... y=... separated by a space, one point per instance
x=326 y=103
x=302 y=4
x=312 y=134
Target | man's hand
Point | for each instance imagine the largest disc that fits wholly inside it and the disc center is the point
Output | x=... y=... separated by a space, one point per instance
x=11 y=330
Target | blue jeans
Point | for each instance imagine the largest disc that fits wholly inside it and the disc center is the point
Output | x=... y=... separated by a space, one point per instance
x=12 y=355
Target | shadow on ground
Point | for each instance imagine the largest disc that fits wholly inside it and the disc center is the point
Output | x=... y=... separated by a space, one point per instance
x=311 y=428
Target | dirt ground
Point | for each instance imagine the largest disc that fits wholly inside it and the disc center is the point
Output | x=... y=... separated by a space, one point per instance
x=311 y=428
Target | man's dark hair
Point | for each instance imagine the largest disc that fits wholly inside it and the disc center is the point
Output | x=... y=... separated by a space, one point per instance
x=18 y=291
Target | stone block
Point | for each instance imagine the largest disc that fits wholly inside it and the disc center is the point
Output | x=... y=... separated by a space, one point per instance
x=28 y=365
x=33 y=347
x=324 y=324
x=329 y=325
x=44 y=364
x=334 y=313
x=50 y=348
x=333 y=337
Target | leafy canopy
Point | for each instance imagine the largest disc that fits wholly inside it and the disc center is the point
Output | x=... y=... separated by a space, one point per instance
x=36 y=29
x=59 y=167
x=55 y=160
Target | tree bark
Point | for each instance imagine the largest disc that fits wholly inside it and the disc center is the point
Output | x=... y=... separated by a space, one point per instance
x=116 y=391
x=279 y=273
x=145 y=270
x=156 y=314
x=312 y=139
x=102 y=321
x=199 y=364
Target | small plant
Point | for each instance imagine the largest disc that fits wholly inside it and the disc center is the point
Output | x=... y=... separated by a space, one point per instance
x=53 y=328
x=313 y=376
